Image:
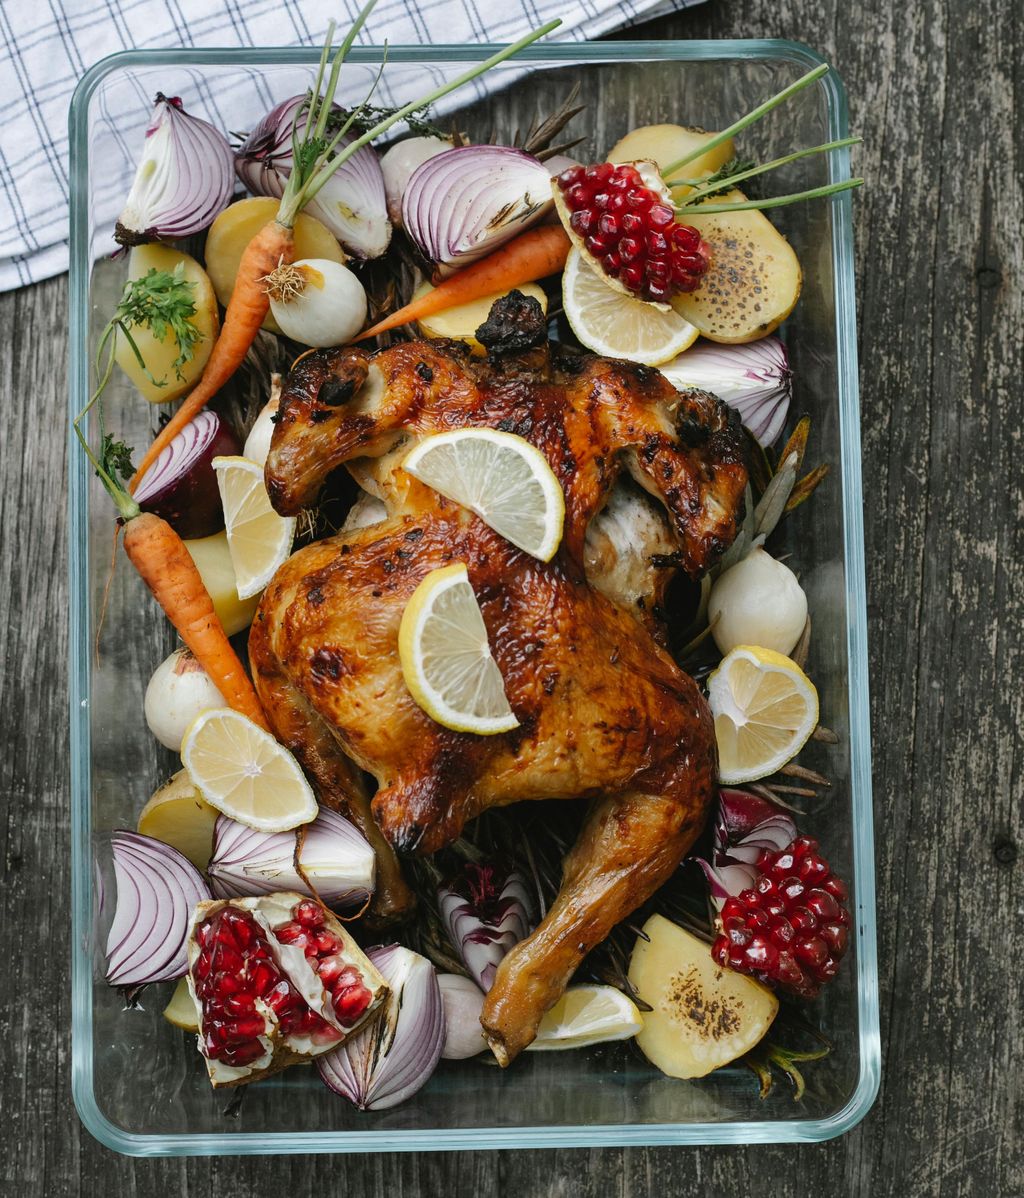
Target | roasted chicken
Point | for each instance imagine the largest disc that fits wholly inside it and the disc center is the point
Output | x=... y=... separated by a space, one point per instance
x=605 y=714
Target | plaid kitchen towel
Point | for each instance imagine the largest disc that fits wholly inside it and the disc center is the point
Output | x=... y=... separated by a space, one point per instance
x=46 y=48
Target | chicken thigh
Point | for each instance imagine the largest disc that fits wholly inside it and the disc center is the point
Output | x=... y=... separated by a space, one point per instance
x=604 y=712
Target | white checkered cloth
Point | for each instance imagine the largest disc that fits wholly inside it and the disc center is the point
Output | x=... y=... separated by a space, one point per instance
x=46 y=48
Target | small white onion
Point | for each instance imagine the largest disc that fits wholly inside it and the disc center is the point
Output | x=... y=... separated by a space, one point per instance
x=463 y=1001
x=398 y=163
x=329 y=307
x=257 y=443
x=757 y=602
x=177 y=692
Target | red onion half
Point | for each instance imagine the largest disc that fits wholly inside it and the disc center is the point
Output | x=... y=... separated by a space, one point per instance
x=485 y=911
x=390 y=1059
x=183 y=181
x=181 y=485
x=745 y=826
x=351 y=204
x=464 y=203
x=755 y=379
x=157 y=890
x=336 y=858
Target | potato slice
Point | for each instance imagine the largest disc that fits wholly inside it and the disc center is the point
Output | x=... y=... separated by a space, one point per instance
x=239 y=223
x=178 y=815
x=213 y=561
x=158 y=354
x=462 y=321
x=665 y=144
x=754 y=280
x=703 y=1016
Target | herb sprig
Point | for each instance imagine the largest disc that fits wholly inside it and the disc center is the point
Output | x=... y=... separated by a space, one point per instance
x=162 y=301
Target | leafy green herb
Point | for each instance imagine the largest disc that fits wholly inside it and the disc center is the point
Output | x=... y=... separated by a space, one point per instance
x=116 y=458
x=367 y=115
x=722 y=176
x=164 y=302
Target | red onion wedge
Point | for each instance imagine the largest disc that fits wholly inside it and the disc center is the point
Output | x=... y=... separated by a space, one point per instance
x=336 y=858
x=755 y=379
x=352 y=202
x=157 y=890
x=464 y=203
x=183 y=181
x=745 y=826
x=181 y=485
x=389 y=1060
x=485 y=911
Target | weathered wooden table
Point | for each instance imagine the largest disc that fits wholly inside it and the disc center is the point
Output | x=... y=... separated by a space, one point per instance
x=933 y=88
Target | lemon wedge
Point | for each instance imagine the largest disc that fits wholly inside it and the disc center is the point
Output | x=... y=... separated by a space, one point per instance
x=446 y=657
x=586 y=1015
x=242 y=771
x=501 y=477
x=765 y=707
x=616 y=325
x=181 y=1010
x=259 y=540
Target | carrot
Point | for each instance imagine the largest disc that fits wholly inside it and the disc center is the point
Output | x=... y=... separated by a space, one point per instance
x=273 y=244
x=167 y=568
x=530 y=256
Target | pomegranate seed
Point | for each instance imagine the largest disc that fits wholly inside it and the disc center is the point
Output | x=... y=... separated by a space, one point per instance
x=630 y=248
x=658 y=269
x=348 y=977
x=657 y=290
x=632 y=223
x=225 y=959
x=262 y=977
x=583 y=221
x=291 y=933
x=686 y=238
x=240 y=1004
x=612 y=263
x=608 y=225
x=600 y=201
x=573 y=174
x=657 y=244
x=660 y=216
x=326 y=943
x=309 y=914
x=350 y=1003
x=243 y=1054
x=632 y=277
x=785 y=932
x=245 y=1028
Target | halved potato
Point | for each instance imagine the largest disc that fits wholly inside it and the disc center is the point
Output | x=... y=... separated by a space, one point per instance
x=159 y=355
x=703 y=1015
x=665 y=144
x=754 y=280
x=213 y=561
x=239 y=223
x=462 y=321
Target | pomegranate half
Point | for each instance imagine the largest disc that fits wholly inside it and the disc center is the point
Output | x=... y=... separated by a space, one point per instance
x=275 y=980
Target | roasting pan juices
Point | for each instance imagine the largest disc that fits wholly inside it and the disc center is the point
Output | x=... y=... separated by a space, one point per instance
x=137 y=1084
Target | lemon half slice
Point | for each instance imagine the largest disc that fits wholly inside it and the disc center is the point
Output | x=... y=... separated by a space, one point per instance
x=243 y=772
x=501 y=477
x=616 y=325
x=587 y=1015
x=446 y=658
x=765 y=708
x=259 y=540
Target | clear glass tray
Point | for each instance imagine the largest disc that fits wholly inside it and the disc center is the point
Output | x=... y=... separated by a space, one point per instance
x=138 y=1085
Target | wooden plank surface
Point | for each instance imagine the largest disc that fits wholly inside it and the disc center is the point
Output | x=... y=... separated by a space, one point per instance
x=934 y=87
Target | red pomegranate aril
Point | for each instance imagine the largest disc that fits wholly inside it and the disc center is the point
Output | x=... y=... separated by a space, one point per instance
x=597 y=246
x=262 y=977
x=243 y=1054
x=577 y=196
x=631 y=224
x=612 y=263
x=658 y=290
x=225 y=959
x=583 y=222
x=630 y=248
x=240 y=1004
x=822 y=904
x=836 y=888
x=632 y=277
x=608 y=225
x=350 y=1003
x=244 y=1028
x=798 y=934
x=309 y=914
x=657 y=245
x=686 y=238
x=326 y=943
x=658 y=269
x=291 y=933
x=660 y=216
x=600 y=201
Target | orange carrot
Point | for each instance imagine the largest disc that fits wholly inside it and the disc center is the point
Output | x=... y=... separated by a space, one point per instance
x=530 y=256
x=167 y=568
x=273 y=244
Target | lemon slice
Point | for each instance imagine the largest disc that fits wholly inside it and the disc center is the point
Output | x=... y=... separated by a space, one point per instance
x=181 y=1010
x=765 y=708
x=501 y=477
x=259 y=540
x=243 y=772
x=446 y=658
x=587 y=1015
x=616 y=325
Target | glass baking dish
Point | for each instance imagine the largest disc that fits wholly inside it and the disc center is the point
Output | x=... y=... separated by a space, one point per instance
x=138 y=1085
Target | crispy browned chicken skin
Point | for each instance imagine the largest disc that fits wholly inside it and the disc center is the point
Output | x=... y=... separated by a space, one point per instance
x=604 y=712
